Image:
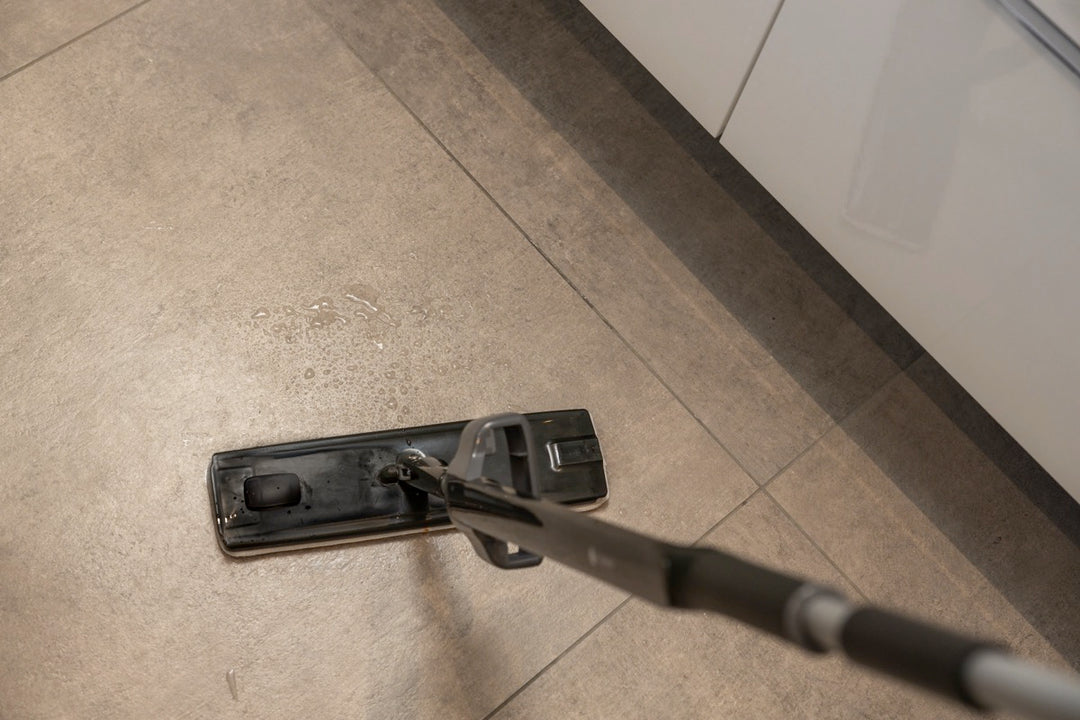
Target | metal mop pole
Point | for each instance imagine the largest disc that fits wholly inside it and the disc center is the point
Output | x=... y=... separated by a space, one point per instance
x=978 y=673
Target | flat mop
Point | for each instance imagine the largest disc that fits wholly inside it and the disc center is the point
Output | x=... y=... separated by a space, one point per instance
x=515 y=486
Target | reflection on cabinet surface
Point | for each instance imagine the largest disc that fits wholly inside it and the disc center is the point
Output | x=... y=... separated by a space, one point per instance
x=934 y=150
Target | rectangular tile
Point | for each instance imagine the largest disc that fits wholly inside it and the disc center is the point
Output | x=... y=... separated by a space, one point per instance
x=920 y=518
x=999 y=447
x=229 y=234
x=649 y=662
x=730 y=322
x=31 y=28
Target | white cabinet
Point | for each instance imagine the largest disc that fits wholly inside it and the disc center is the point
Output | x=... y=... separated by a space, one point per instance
x=701 y=50
x=934 y=149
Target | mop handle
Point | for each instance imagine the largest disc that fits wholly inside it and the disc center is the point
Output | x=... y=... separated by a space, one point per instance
x=980 y=674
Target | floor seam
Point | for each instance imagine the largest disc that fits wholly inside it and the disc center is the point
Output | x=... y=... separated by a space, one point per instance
x=577 y=291
x=763 y=490
x=72 y=41
x=813 y=443
x=557 y=658
x=528 y=238
x=833 y=426
x=648 y=366
x=812 y=541
x=836 y=423
x=765 y=486
x=728 y=514
x=611 y=614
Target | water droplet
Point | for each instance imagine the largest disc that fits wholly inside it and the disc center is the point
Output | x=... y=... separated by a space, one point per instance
x=230 y=679
x=391 y=403
x=323 y=314
x=363 y=294
x=309 y=373
x=260 y=313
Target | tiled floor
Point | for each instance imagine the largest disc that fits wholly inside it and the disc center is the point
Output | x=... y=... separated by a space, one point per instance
x=540 y=226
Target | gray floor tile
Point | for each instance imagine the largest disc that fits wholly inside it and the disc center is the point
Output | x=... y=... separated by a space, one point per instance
x=919 y=517
x=186 y=234
x=182 y=237
x=648 y=662
x=31 y=28
x=747 y=193
x=727 y=318
x=1011 y=459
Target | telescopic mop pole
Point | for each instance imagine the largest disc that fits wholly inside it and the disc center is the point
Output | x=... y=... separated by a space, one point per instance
x=980 y=674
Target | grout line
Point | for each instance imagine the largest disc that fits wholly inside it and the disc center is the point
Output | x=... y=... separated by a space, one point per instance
x=544 y=255
x=761 y=485
x=557 y=658
x=607 y=617
x=641 y=359
x=817 y=547
x=813 y=443
x=727 y=515
x=836 y=425
x=75 y=39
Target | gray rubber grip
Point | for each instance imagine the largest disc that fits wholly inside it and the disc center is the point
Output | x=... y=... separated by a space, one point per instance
x=705 y=579
x=919 y=653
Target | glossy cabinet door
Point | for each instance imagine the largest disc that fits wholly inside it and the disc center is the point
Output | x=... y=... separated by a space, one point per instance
x=700 y=50
x=934 y=149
